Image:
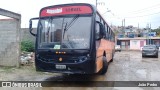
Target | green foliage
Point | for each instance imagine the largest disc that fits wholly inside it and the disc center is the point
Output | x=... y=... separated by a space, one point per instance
x=27 y=46
x=157 y=31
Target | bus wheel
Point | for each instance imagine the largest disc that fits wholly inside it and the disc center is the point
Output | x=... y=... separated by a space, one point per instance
x=105 y=66
x=111 y=60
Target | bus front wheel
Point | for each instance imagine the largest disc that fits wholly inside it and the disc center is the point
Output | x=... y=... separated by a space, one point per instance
x=105 y=66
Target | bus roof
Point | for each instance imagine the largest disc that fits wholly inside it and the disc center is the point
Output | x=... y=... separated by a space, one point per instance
x=67 y=9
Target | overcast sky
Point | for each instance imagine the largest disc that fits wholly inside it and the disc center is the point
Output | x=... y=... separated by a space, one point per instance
x=133 y=11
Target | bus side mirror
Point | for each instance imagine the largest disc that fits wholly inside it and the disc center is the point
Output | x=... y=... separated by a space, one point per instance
x=30 y=28
x=30 y=25
x=102 y=32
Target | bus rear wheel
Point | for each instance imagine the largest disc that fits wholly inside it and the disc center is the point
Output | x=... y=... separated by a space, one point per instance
x=105 y=66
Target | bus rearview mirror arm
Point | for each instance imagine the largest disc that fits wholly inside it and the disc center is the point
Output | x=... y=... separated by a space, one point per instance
x=30 y=27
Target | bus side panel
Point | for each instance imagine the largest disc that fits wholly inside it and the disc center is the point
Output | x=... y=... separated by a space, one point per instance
x=99 y=55
x=104 y=46
x=113 y=48
x=107 y=46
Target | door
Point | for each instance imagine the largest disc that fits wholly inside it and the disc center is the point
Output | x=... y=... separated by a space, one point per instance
x=141 y=43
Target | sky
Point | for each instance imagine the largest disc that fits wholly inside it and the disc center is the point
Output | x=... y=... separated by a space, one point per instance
x=135 y=12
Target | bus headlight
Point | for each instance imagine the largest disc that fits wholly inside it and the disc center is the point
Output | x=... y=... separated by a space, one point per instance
x=81 y=59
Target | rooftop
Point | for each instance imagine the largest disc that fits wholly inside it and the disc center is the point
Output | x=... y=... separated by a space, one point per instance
x=138 y=38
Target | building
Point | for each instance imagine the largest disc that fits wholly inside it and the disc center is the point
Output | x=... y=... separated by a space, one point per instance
x=137 y=43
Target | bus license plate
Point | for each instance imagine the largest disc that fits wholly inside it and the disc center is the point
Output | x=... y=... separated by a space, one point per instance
x=60 y=66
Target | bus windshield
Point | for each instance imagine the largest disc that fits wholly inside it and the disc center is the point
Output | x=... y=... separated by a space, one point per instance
x=65 y=32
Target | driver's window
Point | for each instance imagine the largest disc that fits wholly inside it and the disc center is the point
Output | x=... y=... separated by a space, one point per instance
x=97 y=31
x=97 y=28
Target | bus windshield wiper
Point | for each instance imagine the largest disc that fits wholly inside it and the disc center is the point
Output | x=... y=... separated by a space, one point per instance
x=67 y=26
x=64 y=30
x=48 y=28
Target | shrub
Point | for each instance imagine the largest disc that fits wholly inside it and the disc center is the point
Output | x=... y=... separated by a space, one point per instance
x=27 y=46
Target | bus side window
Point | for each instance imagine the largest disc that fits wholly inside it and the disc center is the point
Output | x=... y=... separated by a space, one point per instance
x=98 y=18
x=106 y=28
x=114 y=38
x=97 y=27
x=108 y=31
x=97 y=31
x=109 y=34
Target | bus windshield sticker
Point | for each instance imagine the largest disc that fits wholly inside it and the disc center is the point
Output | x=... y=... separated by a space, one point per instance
x=57 y=46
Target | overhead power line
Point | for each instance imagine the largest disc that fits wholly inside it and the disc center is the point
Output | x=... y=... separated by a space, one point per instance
x=144 y=15
x=146 y=9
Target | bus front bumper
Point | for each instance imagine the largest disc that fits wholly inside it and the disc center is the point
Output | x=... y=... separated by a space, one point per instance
x=85 y=67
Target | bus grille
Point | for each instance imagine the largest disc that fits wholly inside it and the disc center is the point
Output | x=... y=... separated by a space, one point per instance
x=55 y=59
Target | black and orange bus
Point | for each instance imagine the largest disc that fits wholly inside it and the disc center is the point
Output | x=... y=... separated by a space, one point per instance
x=72 y=38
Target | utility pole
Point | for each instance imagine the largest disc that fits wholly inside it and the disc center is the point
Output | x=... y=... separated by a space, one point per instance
x=96 y=3
x=150 y=33
x=100 y=3
x=123 y=26
x=138 y=31
x=124 y=22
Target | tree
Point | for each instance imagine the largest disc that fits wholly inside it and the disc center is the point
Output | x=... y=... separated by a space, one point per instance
x=157 y=31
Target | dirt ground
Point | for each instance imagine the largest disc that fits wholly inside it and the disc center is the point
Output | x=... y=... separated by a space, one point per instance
x=24 y=73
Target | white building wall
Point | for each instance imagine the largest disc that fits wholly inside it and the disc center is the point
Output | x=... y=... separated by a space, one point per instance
x=135 y=44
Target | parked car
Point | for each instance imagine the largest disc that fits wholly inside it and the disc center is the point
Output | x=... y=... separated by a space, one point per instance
x=150 y=50
x=118 y=48
x=156 y=46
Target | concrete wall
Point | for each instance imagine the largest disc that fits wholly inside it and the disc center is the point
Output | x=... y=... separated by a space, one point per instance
x=25 y=35
x=9 y=42
x=10 y=38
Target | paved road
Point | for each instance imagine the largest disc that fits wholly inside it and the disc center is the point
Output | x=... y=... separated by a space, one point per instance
x=130 y=66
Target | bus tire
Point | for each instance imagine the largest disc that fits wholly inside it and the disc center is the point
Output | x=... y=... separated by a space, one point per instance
x=105 y=66
x=112 y=58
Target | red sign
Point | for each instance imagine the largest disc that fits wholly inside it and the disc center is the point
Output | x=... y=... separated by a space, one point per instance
x=66 y=10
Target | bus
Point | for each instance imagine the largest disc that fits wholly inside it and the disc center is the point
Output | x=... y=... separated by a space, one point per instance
x=73 y=39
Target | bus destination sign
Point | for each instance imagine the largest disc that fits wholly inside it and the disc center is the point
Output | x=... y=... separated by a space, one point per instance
x=65 y=10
